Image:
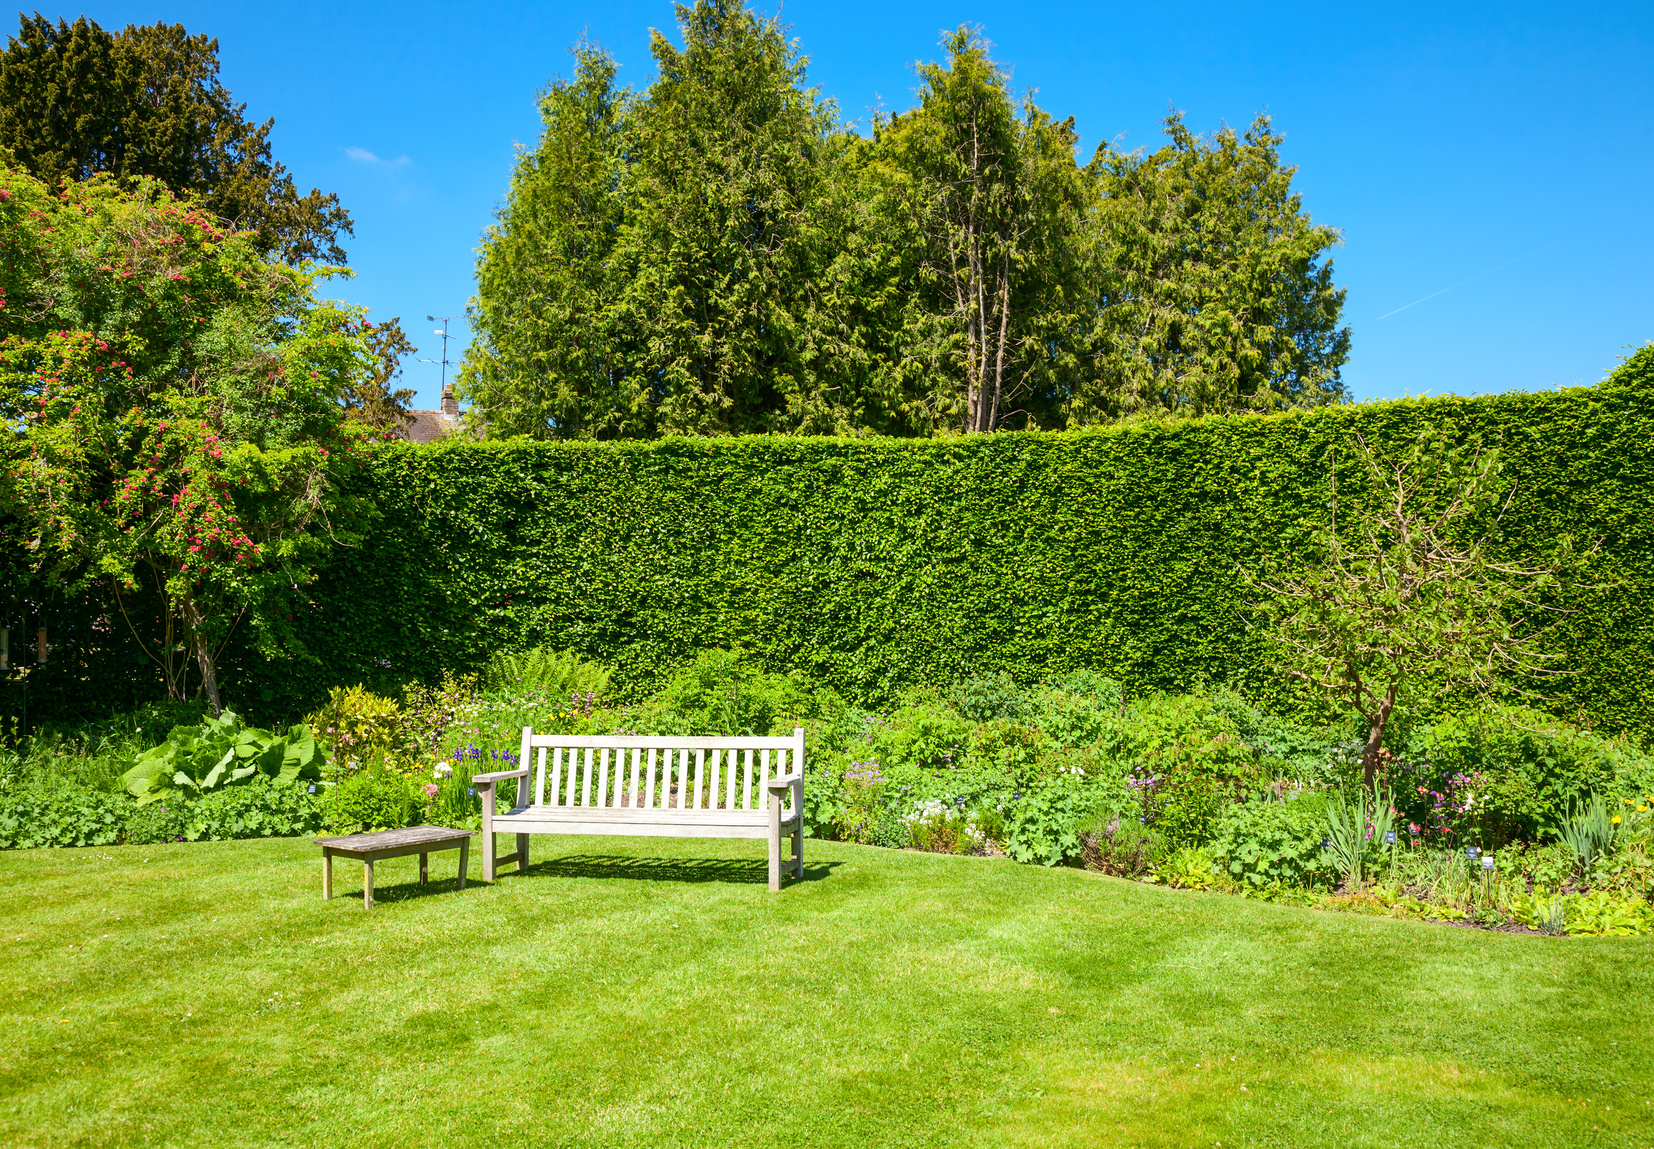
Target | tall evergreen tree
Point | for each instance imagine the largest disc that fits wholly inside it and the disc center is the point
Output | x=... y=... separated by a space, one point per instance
x=553 y=354
x=1217 y=294
x=76 y=100
x=717 y=255
x=657 y=266
x=996 y=208
x=733 y=158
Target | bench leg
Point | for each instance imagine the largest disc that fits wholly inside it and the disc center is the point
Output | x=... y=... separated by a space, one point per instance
x=327 y=874
x=522 y=852
x=798 y=849
x=774 y=837
x=367 y=884
x=464 y=861
x=424 y=868
x=485 y=795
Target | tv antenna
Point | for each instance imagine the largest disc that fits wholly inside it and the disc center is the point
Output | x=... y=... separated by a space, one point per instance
x=445 y=361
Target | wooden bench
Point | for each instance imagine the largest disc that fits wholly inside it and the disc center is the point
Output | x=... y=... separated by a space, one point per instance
x=666 y=786
x=381 y=844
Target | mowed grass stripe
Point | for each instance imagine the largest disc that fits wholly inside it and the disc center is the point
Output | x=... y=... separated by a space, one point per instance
x=629 y=992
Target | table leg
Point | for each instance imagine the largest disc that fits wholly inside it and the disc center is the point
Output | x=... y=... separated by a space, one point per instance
x=464 y=861
x=327 y=874
x=424 y=868
x=367 y=883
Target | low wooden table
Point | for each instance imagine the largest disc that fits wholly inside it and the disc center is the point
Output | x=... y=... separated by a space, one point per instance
x=370 y=848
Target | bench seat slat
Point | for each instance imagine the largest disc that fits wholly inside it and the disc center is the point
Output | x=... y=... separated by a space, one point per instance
x=660 y=741
x=594 y=820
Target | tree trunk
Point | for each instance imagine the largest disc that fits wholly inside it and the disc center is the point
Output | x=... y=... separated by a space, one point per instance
x=203 y=656
x=1375 y=739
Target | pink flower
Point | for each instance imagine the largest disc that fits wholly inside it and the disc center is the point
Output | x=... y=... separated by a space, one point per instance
x=430 y=789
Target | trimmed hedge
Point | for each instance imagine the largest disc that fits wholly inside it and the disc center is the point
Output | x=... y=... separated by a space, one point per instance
x=873 y=564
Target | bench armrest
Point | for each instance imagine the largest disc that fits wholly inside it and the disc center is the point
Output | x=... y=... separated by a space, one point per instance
x=783 y=782
x=498 y=776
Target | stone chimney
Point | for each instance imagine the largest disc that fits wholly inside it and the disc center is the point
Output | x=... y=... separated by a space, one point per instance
x=450 y=405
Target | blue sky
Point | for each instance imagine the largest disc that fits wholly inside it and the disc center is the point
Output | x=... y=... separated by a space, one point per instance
x=1489 y=166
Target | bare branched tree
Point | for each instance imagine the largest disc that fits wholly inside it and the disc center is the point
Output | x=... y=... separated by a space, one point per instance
x=1405 y=601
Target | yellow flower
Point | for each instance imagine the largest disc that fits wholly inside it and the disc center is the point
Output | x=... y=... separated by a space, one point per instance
x=1615 y=819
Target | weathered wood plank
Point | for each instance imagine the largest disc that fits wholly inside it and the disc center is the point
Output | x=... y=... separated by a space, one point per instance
x=381 y=839
x=406 y=851
x=661 y=741
x=525 y=754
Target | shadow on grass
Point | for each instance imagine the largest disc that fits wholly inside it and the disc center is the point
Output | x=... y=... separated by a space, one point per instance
x=402 y=891
x=735 y=871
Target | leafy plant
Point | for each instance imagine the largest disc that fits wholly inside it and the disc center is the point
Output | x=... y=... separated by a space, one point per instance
x=560 y=673
x=373 y=799
x=1546 y=913
x=44 y=815
x=989 y=697
x=1125 y=849
x=1605 y=914
x=221 y=752
x=1357 y=829
x=1588 y=830
x=357 y=725
x=265 y=808
x=1264 y=842
x=1044 y=826
x=1189 y=868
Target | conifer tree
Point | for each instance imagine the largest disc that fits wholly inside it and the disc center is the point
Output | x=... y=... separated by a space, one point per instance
x=76 y=100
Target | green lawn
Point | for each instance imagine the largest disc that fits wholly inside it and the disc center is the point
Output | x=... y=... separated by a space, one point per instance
x=652 y=992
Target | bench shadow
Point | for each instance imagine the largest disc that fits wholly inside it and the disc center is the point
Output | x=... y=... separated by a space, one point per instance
x=402 y=891
x=734 y=871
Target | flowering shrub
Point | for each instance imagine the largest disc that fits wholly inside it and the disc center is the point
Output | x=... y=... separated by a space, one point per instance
x=1441 y=807
x=357 y=727
x=175 y=403
x=944 y=828
x=863 y=790
x=1523 y=770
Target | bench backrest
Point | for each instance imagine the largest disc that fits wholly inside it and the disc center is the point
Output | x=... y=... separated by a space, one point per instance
x=664 y=772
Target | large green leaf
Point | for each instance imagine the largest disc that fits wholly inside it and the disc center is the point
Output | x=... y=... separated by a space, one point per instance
x=221 y=752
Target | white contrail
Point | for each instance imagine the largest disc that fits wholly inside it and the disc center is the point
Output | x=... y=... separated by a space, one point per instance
x=1472 y=279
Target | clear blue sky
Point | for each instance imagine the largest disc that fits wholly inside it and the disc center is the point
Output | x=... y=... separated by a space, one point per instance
x=1501 y=156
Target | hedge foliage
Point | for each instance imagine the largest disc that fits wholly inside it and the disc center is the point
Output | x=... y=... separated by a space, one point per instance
x=872 y=564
